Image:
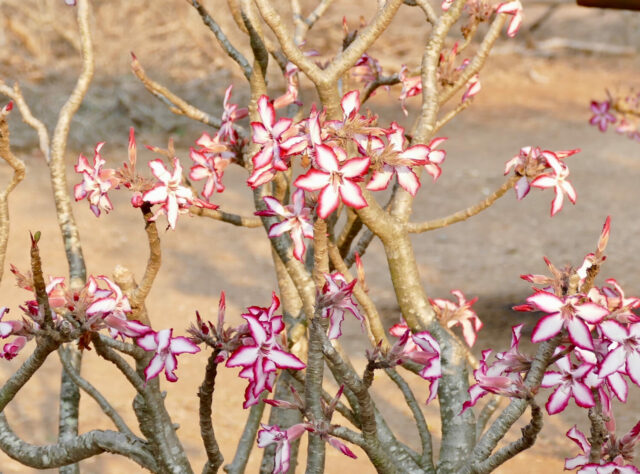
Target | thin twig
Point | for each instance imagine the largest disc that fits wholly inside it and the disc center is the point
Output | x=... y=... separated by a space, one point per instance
x=18 y=175
x=109 y=354
x=28 y=118
x=246 y=441
x=228 y=217
x=102 y=402
x=528 y=439
x=426 y=460
x=451 y=115
x=224 y=42
x=465 y=213
x=486 y=413
x=175 y=104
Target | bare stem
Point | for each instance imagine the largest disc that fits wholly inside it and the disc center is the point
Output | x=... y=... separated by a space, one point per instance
x=528 y=438
x=69 y=452
x=139 y=294
x=234 y=219
x=465 y=213
x=224 y=42
x=18 y=175
x=426 y=460
x=205 y=394
x=102 y=402
x=246 y=441
x=43 y=135
x=175 y=104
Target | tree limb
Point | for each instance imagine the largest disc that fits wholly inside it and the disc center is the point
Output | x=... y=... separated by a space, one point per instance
x=69 y=452
x=102 y=402
x=465 y=213
x=224 y=42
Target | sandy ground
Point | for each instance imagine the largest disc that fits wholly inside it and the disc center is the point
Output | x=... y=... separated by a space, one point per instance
x=525 y=101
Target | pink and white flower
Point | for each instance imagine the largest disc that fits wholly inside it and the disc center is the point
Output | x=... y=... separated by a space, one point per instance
x=557 y=179
x=230 y=114
x=513 y=8
x=459 y=314
x=335 y=299
x=278 y=139
x=96 y=182
x=8 y=328
x=262 y=355
x=625 y=350
x=11 y=349
x=173 y=198
x=569 y=382
x=334 y=181
x=166 y=348
x=601 y=116
x=567 y=313
x=411 y=86
x=269 y=435
x=402 y=162
x=296 y=220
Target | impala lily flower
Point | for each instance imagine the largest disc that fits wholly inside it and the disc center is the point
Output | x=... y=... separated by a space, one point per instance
x=166 y=348
x=96 y=182
x=335 y=182
x=578 y=437
x=335 y=299
x=170 y=194
x=446 y=4
x=11 y=349
x=262 y=357
x=624 y=352
x=556 y=180
x=399 y=161
x=567 y=313
x=291 y=96
x=609 y=468
x=366 y=70
x=230 y=114
x=8 y=327
x=209 y=166
x=411 y=86
x=473 y=87
x=570 y=382
x=601 y=115
x=296 y=221
x=513 y=8
x=503 y=377
x=461 y=313
x=274 y=137
x=112 y=307
x=269 y=435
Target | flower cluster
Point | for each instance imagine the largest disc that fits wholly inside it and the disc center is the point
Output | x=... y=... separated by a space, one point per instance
x=99 y=305
x=167 y=191
x=597 y=340
x=542 y=169
x=260 y=354
x=323 y=144
x=621 y=111
x=420 y=348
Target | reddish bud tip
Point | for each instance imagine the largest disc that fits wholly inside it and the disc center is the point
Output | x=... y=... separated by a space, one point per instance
x=9 y=106
x=604 y=236
x=136 y=199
